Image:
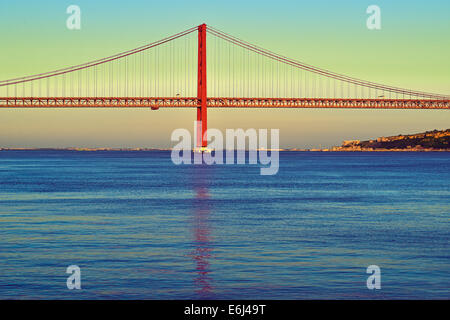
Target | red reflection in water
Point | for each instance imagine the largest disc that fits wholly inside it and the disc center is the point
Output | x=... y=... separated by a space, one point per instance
x=202 y=238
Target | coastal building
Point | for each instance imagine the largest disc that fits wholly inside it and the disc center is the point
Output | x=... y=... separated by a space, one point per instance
x=346 y=143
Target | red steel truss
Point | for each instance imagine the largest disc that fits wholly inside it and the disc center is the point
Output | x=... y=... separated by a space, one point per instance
x=180 y=102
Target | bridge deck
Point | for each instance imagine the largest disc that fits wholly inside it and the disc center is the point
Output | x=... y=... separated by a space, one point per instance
x=181 y=102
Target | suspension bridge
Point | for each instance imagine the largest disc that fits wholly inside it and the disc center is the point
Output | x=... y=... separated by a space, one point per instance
x=172 y=73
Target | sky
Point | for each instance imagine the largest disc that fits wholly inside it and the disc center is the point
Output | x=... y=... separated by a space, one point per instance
x=411 y=50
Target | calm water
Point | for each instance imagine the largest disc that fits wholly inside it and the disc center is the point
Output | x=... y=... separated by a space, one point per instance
x=140 y=227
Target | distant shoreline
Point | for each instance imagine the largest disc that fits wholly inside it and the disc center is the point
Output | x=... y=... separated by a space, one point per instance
x=279 y=150
x=429 y=141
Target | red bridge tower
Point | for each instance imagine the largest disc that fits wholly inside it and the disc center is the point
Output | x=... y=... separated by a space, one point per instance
x=201 y=90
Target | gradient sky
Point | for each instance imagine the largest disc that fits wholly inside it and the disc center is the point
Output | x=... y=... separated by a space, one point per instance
x=410 y=51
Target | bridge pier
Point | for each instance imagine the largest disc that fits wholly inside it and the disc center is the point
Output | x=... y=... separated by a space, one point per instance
x=202 y=120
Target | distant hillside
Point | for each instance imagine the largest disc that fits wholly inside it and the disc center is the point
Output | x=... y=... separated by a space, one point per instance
x=427 y=141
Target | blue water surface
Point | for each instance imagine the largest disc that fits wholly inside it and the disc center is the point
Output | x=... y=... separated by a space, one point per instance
x=140 y=227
